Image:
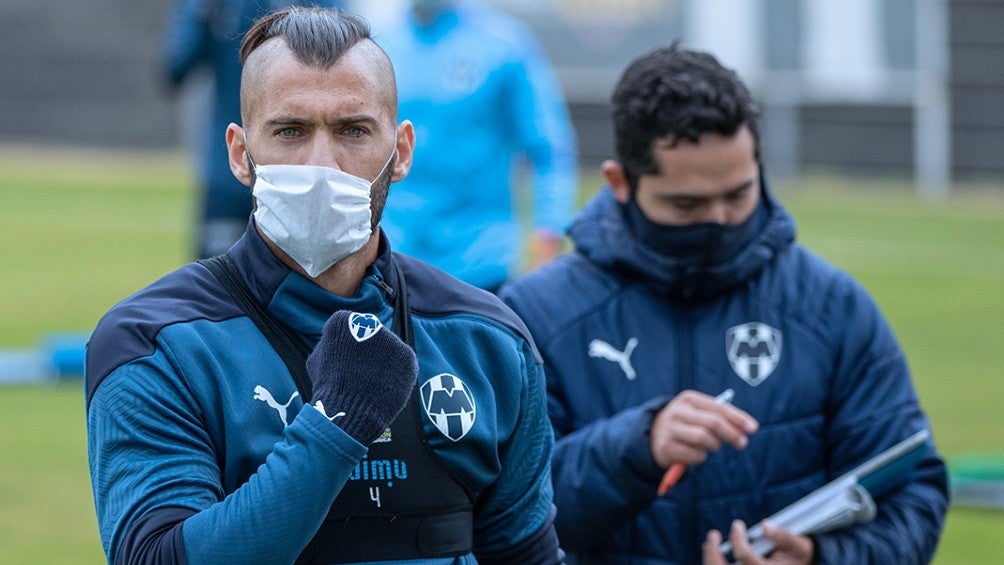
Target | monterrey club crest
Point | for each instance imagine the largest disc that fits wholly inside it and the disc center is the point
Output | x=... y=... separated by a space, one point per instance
x=754 y=350
x=449 y=405
x=363 y=326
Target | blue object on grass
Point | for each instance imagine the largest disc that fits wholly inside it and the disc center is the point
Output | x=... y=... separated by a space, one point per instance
x=23 y=366
x=65 y=352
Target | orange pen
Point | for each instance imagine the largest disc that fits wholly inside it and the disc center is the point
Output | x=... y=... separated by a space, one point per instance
x=675 y=471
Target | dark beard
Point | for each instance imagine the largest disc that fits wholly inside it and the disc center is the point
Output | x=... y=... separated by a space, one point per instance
x=378 y=194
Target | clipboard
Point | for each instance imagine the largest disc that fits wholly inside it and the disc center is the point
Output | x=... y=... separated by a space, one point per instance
x=847 y=499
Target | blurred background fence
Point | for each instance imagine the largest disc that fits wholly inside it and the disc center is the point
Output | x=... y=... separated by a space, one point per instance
x=905 y=88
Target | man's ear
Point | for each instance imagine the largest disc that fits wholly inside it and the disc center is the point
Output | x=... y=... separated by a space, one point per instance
x=613 y=172
x=237 y=153
x=405 y=150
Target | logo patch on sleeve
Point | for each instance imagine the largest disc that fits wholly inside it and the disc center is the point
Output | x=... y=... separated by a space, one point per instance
x=449 y=405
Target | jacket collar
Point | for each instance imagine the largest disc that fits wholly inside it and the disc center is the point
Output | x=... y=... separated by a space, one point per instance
x=295 y=299
x=602 y=236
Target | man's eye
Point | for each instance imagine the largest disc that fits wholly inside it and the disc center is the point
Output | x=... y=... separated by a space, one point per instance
x=354 y=131
x=288 y=133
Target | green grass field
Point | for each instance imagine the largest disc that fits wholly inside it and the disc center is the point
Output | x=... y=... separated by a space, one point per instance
x=81 y=231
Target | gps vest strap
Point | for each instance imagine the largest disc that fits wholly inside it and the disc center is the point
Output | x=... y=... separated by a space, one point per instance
x=399 y=502
x=291 y=349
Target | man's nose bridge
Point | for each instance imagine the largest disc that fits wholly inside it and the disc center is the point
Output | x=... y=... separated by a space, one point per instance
x=324 y=151
x=718 y=211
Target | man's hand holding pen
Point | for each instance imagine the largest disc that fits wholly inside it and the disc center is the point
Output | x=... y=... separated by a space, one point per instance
x=690 y=426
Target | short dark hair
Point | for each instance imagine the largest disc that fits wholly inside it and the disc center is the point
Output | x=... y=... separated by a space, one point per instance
x=678 y=93
x=318 y=37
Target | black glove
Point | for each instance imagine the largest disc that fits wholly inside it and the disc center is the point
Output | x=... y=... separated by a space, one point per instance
x=362 y=374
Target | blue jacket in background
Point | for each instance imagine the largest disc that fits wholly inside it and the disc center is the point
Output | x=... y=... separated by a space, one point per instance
x=806 y=350
x=202 y=451
x=207 y=34
x=481 y=95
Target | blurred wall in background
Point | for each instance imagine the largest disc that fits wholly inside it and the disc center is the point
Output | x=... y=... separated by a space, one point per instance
x=83 y=73
x=907 y=88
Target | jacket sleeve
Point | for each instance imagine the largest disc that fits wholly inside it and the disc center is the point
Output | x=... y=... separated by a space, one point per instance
x=603 y=469
x=873 y=405
x=544 y=132
x=156 y=477
x=514 y=518
x=603 y=472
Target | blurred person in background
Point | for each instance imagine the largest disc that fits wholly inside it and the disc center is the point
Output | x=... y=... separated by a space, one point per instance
x=206 y=34
x=484 y=100
x=686 y=281
x=310 y=396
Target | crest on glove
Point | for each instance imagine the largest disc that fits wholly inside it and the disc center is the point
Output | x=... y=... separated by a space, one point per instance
x=363 y=326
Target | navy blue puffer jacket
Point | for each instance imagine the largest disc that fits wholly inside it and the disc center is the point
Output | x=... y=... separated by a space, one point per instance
x=622 y=329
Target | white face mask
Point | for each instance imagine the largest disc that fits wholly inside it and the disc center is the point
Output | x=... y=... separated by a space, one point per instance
x=317 y=215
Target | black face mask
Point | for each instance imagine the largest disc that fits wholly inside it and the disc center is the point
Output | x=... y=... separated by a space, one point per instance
x=701 y=245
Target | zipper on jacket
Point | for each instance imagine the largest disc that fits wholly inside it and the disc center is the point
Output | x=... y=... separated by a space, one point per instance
x=387 y=289
x=687 y=353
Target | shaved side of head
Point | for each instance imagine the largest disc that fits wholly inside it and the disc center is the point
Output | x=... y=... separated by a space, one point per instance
x=317 y=38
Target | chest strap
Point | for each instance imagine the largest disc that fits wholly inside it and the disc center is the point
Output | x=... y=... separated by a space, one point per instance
x=287 y=344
